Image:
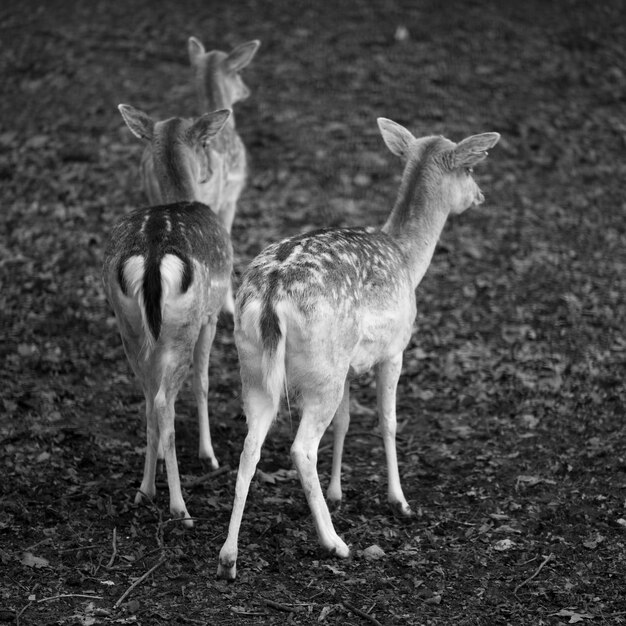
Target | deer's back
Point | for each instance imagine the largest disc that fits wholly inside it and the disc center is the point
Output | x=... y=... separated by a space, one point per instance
x=185 y=229
x=343 y=290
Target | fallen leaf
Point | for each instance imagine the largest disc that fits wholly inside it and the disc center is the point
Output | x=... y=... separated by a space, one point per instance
x=373 y=553
x=435 y=599
x=37 y=142
x=574 y=617
x=401 y=34
x=26 y=350
x=333 y=569
x=503 y=544
x=30 y=560
x=531 y=481
x=594 y=542
x=265 y=477
x=529 y=421
x=280 y=475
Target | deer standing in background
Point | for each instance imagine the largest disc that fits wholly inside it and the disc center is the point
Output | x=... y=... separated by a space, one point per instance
x=166 y=274
x=318 y=308
x=219 y=86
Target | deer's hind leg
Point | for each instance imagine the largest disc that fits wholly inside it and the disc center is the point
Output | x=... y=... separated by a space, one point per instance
x=318 y=409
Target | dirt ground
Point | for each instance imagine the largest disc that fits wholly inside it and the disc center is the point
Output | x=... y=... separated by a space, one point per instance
x=511 y=406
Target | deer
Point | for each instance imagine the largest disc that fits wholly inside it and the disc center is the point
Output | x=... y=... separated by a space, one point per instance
x=224 y=163
x=166 y=274
x=319 y=308
x=219 y=85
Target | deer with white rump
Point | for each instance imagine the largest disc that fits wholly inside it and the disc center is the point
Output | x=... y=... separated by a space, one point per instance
x=222 y=161
x=317 y=308
x=166 y=274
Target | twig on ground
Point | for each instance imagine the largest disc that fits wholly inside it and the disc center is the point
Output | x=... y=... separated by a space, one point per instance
x=278 y=605
x=70 y=595
x=64 y=595
x=17 y=617
x=360 y=613
x=545 y=560
x=114 y=542
x=138 y=582
x=188 y=620
x=198 y=480
x=46 y=540
x=94 y=546
x=248 y=613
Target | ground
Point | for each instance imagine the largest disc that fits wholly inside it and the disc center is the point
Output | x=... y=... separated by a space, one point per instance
x=511 y=406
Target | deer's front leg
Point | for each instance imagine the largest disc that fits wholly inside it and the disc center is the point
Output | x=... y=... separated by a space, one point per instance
x=387 y=375
x=201 y=354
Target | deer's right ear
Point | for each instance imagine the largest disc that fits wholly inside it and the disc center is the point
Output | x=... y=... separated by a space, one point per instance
x=140 y=124
x=473 y=150
x=242 y=55
x=397 y=138
x=195 y=49
x=208 y=125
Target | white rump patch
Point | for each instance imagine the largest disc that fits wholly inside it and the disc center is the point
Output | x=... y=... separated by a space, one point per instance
x=171 y=275
x=172 y=268
x=133 y=272
x=133 y=275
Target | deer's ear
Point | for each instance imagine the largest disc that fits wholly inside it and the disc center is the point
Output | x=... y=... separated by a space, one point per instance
x=242 y=55
x=396 y=137
x=473 y=150
x=208 y=125
x=140 y=123
x=195 y=49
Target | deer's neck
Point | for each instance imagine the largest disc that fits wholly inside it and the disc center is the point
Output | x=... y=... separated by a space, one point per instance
x=417 y=218
x=175 y=178
x=178 y=187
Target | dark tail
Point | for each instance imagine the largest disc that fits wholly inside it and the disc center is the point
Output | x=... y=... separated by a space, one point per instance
x=272 y=331
x=152 y=292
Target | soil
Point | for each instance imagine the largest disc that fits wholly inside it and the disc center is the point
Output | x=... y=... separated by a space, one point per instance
x=511 y=406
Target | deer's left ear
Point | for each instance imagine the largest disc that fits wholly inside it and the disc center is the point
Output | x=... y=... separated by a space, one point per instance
x=140 y=123
x=396 y=137
x=195 y=49
x=242 y=55
x=473 y=149
x=208 y=125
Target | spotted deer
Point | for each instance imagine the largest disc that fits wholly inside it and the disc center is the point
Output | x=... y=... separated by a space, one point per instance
x=315 y=309
x=166 y=274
